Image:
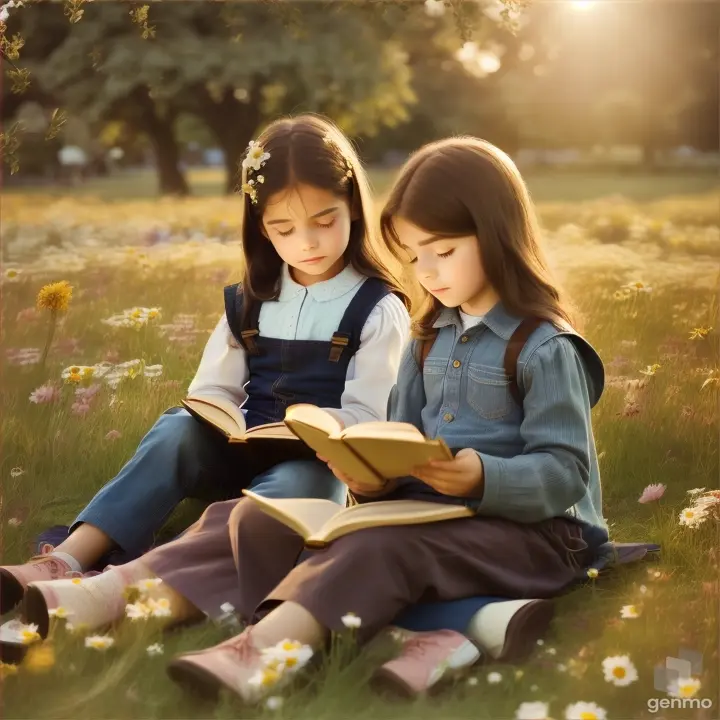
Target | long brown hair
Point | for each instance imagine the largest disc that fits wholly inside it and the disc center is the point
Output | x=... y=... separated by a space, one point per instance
x=465 y=186
x=311 y=150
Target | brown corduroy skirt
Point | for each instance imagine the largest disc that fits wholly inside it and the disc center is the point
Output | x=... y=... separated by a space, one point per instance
x=239 y=555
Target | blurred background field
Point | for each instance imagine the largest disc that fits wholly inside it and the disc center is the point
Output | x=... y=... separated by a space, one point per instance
x=610 y=110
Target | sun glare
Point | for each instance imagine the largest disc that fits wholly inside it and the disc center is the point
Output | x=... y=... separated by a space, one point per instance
x=582 y=5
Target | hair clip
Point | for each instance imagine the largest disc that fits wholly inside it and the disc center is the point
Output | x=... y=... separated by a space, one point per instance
x=249 y=188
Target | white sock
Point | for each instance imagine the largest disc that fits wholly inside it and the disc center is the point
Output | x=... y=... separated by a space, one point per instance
x=69 y=559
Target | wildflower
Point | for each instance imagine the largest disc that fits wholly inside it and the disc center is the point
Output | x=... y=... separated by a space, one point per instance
x=274 y=702
x=696 y=491
x=494 y=678
x=227 y=607
x=540 y=641
x=629 y=612
x=80 y=408
x=152 y=371
x=651 y=369
x=700 y=333
x=29 y=634
x=652 y=493
x=27 y=315
x=638 y=287
x=561 y=667
x=684 y=687
x=692 y=517
x=160 y=608
x=54 y=297
x=113 y=435
x=351 y=620
x=99 y=642
x=148 y=584
x=434 y=8
x=44 y=394
x=264 y=678
x=138 y=611
x=643 y=589
x=16 y=472
x=256 y=157
x=12 y=275
x=61 y=612
x=592 y=573
x=155 y=649
x=472 y=681
x=619 y=670
x=14 y=522
x=533 y=688
x=584 y=711
x=39 y=658
x=532 y=711
x=551 y=651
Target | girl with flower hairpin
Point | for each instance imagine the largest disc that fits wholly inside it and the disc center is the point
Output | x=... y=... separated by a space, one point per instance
x=316 y=319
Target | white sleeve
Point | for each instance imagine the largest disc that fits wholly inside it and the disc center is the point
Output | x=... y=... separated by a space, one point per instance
x=223 y=369
x=372 y=371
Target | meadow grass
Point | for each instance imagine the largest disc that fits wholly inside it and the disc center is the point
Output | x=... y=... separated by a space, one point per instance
x=568 y=185
x=55 y=457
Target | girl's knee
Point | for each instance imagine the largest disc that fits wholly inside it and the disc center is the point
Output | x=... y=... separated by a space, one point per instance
x=247 y=518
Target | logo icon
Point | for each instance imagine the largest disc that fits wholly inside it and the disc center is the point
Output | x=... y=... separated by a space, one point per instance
x=688 y=664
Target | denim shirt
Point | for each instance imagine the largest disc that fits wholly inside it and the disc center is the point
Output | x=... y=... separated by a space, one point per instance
x=539 y=460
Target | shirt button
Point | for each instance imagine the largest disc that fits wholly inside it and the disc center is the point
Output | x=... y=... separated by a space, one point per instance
x=448 y=417
x=456 y=363
x=464 y=339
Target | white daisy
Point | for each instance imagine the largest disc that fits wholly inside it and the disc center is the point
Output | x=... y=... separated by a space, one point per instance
x=155 y=649
x=99 y=642
x=494 y=678
x=684 y=687
x=585 y=711
x=629 y=611
x=532 y=711
x=351 y=620
x=619 y=670
x=274 y=702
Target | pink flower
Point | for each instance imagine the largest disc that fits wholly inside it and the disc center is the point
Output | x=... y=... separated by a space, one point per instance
x=27 y=315
x=44 y=394
x=652 y=493
x=113 y=435
x=81 y=408
x=85 y=395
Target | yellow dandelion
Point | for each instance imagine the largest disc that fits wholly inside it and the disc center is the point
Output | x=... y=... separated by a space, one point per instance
x=55 y=297
x=39 y=658
x=592 y=573
x=700 y=333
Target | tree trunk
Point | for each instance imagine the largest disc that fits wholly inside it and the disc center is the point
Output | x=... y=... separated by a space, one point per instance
x=160 y=129
x=232 y=123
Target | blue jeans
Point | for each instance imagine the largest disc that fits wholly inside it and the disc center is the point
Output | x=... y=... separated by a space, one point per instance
x=180 y=458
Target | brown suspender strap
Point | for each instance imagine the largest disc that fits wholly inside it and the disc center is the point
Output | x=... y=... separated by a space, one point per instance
x=338 y=343
x=425 y=347
x=512 y=353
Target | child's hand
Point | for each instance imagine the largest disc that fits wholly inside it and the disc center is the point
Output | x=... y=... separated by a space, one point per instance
x=357 y=488
x=462 y=476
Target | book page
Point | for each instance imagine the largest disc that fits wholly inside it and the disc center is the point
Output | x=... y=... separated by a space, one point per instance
x=392 y=457
x=385 y=513
x=400 y=430
x=271 y=431
x=304 y=515
x=314 y=416
x=219 y=413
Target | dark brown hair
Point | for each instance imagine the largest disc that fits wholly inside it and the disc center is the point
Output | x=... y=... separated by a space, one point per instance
x=311 y=150
x=465 y=186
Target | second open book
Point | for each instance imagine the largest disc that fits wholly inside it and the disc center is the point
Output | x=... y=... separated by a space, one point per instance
x=369 y=453
x=319 y=522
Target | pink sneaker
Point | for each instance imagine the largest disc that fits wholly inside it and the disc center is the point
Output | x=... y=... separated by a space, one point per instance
x=14 y=579
x=425 y=659
x=229 y=665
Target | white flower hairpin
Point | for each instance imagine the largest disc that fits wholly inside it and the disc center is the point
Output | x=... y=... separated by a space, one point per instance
x=255 y=158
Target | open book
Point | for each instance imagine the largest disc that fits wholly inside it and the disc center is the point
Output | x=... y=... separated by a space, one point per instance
x=319 y=522
x=370 y=452
x=227 y=417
